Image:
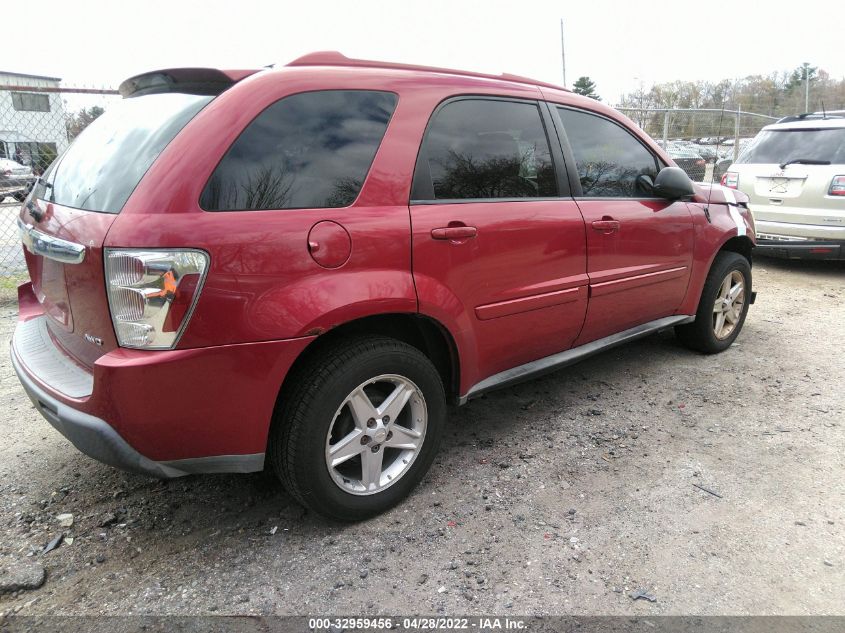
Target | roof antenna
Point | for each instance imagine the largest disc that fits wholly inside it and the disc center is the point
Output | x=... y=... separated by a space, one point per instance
x=713 y=172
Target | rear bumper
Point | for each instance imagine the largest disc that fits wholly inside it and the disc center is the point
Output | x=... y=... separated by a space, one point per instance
x=804 y=249
x=163 y=413
x=90 y=434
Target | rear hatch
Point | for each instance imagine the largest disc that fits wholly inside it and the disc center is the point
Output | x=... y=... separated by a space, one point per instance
x=788 y=172
x=65 y=220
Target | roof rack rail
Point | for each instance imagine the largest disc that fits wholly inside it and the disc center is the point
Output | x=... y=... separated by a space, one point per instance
x=813 y=116
x=334 y=58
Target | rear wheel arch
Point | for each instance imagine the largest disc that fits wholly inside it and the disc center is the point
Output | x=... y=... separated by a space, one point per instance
x=424 y=333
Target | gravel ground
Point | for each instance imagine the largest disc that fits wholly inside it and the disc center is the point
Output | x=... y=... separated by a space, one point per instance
x=713 y=484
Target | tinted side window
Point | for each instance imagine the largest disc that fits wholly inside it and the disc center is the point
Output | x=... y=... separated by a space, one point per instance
x=309 y=150
x=477 y=148
x=608 y=158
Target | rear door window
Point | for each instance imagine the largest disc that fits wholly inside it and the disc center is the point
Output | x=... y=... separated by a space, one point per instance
x=608 y=157
x=309 y=150
x=485 y=149
x=780 y=146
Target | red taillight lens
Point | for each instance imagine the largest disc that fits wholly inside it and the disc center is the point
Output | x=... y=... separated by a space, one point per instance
x=699 y=162
x=151 y=294
x=837 y=186
x=731 y=179
x=7 y=172
x=182 y=301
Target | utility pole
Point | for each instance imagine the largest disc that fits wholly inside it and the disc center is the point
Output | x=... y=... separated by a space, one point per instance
x=806 y=87
x=562 y=53
x=736 y=131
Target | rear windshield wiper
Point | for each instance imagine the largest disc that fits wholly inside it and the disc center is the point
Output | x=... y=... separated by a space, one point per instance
x=804 y=161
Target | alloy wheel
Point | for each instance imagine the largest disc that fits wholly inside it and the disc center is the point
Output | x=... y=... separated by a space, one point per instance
x=377 y=433
x=729 y=304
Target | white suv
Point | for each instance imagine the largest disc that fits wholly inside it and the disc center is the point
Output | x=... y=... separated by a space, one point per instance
x=794 y=174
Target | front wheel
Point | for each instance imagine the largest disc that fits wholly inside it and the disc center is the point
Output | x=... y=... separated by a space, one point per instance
x=723 y=305
x=359 y=427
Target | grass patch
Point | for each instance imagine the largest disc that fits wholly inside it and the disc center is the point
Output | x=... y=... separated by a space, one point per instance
x=9 y=288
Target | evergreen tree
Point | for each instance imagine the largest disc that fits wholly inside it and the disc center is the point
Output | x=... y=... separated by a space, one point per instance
x=587 y=87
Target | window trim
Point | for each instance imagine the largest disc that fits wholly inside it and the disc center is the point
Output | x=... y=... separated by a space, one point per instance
x=569 y=155
x=270 y=105
x=22 y=93
x=422 y=173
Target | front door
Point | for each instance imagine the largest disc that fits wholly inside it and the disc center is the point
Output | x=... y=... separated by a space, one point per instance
x=639 y=247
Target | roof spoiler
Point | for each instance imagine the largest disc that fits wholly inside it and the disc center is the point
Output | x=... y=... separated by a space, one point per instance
x=813 y=116
x=199 y=81
x=334 y=58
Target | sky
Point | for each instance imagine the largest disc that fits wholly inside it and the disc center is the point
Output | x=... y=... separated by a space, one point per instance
x=618 y=44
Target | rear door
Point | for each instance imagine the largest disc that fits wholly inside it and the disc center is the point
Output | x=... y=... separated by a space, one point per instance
x=496 y=239
x=639 y=247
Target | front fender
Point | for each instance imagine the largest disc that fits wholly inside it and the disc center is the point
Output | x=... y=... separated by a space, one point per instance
x=728 y=220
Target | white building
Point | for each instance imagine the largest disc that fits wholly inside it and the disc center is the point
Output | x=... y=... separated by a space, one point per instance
x=32 y=122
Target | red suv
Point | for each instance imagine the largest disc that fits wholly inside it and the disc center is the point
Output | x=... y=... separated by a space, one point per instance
x=301 y=267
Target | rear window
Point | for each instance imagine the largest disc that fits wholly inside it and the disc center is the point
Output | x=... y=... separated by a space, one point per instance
x=309 y=150
x=102 y=167
x=780 y=146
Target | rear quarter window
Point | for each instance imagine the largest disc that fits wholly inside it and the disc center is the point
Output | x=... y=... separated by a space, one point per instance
x=308 y=150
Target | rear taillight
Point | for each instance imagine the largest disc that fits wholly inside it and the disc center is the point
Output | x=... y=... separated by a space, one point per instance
x=152 y=294
x=700 y=162
x=837 y=186
x=7 y=172
x=730 y=179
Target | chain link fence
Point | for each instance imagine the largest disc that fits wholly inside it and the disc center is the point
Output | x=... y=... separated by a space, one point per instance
x=38 y=120
x=703 y=142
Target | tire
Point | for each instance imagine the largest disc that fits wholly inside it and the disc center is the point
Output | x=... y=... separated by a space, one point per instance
x=315 y=422
x=701 y=335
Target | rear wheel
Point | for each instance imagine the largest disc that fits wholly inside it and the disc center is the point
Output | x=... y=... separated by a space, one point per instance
x=359 y=427
x=723 y=305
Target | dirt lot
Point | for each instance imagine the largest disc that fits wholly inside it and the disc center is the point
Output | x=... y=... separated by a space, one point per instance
x=562 y=495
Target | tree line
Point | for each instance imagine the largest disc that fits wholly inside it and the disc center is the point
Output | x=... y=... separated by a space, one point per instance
x=776 y=94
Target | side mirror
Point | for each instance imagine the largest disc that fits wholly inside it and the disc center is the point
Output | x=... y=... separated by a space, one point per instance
x=673 y=183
